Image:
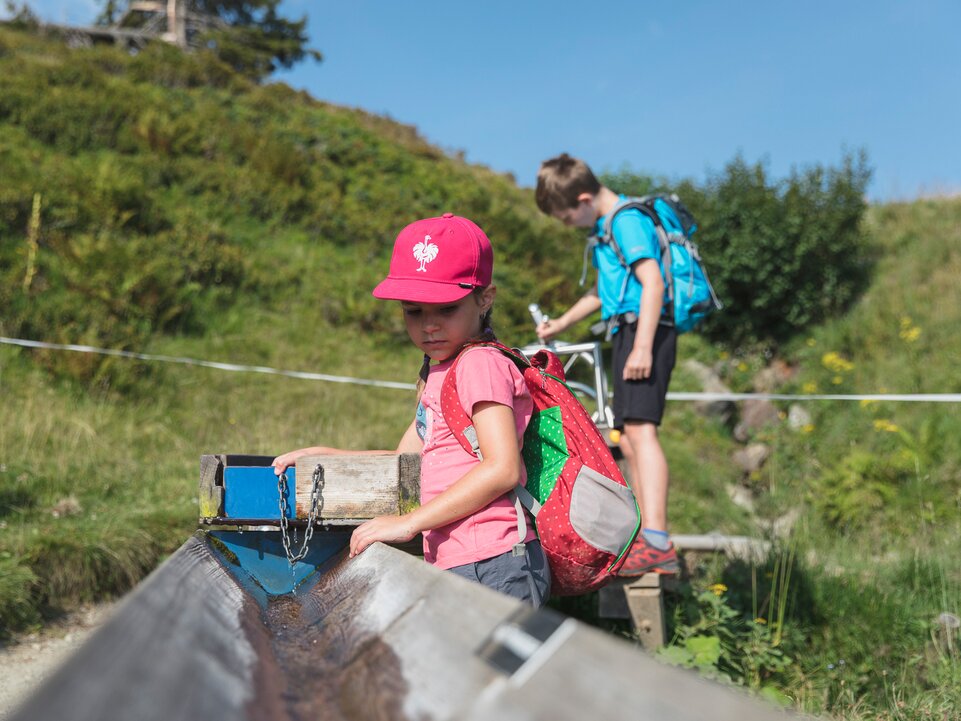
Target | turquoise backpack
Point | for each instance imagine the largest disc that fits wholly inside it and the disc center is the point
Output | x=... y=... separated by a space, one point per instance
x=690 y=296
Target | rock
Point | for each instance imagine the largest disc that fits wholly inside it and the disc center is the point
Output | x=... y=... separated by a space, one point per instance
x=783 y=526
x=773 y=377
x=710 y=382
x=755 y=414
x=798 y=417
x=752 y=458
x=741 y=497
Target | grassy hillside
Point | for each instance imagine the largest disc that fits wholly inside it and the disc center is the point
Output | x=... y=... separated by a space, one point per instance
x=182 y=210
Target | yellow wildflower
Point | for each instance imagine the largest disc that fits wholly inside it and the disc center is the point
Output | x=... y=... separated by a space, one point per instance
x=742 y=366
x=837 y=380
x=807 y=428
x=883 y=424
x=810 y=387
x=834 y=361
x=811 y=342
x=718 y=589
x=909 y=332
x=910 y=335
x=865 y=402
x=760 y=620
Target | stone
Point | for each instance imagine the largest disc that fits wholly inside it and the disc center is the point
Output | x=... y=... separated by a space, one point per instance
x=756 y=413
x=769 y=379
x=710 y=382
x=751 y=458
x=741 y=497
x=798 y=417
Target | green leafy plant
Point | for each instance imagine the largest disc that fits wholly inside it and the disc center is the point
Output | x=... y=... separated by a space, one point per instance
x=721 y=642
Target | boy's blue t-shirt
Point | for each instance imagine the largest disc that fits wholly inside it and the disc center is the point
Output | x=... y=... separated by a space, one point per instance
x=636 y=235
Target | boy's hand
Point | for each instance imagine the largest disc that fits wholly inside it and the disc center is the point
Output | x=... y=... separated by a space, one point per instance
x=638 y=364
x=390 y=529
x=549 y=328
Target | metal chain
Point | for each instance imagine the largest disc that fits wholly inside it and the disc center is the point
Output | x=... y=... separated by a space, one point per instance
x=316 y=506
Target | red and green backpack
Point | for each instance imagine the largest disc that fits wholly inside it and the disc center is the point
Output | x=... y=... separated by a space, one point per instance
x=585 y=514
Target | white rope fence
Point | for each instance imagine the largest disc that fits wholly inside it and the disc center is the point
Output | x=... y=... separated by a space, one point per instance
x=672 y=395
x=206 y=364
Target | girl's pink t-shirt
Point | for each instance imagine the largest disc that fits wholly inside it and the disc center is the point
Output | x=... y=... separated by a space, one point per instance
x=483 y=374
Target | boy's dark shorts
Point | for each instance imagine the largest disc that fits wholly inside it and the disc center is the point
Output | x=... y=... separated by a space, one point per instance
x=526 y=577
x=642 y=400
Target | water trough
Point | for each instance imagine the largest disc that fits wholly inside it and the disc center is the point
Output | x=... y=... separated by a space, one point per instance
x=226 y=628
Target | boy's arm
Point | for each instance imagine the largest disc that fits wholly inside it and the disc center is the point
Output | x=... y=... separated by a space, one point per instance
x=641 y=359
x=587 y=305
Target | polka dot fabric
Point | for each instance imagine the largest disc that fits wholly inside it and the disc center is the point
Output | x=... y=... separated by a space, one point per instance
x=560 y=439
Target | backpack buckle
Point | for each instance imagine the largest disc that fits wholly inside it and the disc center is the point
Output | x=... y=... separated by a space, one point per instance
x=519 y=550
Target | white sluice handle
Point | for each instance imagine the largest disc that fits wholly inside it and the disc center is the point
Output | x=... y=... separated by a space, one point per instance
x=536 y=314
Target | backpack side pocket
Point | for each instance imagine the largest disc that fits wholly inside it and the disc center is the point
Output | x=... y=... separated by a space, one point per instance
x=603 y=512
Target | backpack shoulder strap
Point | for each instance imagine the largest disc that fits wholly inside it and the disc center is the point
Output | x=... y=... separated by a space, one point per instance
x=462 y=426
x=457 y=418
x=645 y=205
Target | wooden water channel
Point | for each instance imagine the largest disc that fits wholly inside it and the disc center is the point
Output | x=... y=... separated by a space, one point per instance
x=226 y=628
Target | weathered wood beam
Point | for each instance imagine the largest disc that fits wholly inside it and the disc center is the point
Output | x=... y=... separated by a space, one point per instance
x=211 y=490
x=358 y=486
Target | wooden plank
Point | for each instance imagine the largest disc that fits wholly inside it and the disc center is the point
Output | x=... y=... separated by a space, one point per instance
x=612 y=598
x=211 y=491
x=355 y=486
x=647 y=613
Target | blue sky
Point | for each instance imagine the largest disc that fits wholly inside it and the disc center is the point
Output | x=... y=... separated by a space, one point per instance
x=674 y=89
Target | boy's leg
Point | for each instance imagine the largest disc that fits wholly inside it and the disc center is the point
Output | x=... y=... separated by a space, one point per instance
x=638 y=409
x=649 y=473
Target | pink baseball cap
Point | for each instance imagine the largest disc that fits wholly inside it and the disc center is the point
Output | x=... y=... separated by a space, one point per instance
x=438 y=260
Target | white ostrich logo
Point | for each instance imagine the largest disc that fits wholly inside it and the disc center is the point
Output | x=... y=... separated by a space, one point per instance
x=425 y=252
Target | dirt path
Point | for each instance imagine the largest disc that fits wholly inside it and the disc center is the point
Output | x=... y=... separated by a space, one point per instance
x=29 y=660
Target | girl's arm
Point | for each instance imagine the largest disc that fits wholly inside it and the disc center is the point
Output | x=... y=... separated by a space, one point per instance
x=410 y=442
x=495 y=475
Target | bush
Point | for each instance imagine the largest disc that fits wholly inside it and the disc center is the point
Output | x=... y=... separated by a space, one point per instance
x=781 y=255
x=116 y=289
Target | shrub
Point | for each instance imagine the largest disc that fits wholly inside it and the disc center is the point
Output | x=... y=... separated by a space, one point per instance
x=862 y=487
x=782 y=255
x=116 y=289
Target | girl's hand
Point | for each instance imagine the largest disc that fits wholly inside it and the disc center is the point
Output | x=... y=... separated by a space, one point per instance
x=282 y=463
x=390 y=529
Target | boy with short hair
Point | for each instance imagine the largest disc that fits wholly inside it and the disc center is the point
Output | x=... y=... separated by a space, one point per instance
x=631 y=299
